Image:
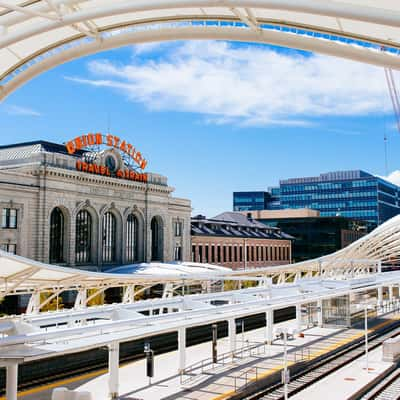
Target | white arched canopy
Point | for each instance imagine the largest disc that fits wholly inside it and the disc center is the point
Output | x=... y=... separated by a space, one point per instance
x=36 y=35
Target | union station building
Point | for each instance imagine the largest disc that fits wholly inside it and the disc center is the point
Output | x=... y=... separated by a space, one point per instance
x=89 y=204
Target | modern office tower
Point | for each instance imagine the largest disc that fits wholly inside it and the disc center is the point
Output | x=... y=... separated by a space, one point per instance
x=354 y=194
x=314 y=235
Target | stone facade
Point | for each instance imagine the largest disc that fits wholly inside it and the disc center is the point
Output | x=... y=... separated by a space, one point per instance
x=37 y=177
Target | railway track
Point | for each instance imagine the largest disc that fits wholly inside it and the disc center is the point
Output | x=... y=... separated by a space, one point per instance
x=327 y=364
x=387 y=389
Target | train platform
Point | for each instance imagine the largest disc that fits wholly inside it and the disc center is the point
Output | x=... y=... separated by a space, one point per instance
x=223 y=380
x=254 y=360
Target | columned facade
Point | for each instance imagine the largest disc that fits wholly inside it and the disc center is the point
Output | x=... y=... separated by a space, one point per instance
x=73 y=218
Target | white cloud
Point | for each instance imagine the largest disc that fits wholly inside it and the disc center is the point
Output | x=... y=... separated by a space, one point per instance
x=245 y=84
x=12 y=109
x=148 y=48
x=393 y=177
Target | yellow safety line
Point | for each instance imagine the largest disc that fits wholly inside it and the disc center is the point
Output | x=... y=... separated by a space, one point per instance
x=312 y=356
x=59 y=383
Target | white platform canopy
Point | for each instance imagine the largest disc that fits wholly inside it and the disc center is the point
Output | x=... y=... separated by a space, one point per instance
x=19 y=275
x=36 y=35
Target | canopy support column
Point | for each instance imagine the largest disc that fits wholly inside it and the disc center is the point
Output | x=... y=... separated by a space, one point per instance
x=81 y=299
x=34 y=303
x=269 y=329
x=298 y=317
x=390 y=288
x=380 y=295
x=113 y=369
x=12 y=381
x=182 y=348
x=232 y=334
x=319 y=313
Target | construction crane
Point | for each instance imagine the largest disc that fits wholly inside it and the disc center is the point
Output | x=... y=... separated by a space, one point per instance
x=393 y=95
x=396 y=109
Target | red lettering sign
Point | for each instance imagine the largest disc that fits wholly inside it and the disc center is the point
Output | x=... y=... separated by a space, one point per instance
x=96 y=139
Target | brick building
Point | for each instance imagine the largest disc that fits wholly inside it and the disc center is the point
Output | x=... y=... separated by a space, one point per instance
x=232 y=240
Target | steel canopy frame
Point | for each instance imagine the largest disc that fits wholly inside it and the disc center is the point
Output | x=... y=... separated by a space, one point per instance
x=74 y=331
x=36 y=36
x=278 y=38
x=19 y=275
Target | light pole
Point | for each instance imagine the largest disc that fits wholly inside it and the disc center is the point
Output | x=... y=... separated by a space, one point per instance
x=366 y=307
x=285 y=373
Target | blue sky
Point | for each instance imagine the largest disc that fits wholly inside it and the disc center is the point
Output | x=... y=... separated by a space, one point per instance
x=216 y=117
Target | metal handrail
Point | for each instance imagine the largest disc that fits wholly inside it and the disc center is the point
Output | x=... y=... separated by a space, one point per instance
x=304 y=356
x=221 y=359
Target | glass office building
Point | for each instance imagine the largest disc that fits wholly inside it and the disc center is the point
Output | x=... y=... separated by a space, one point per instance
x=244 y=201
x=248 y=201
x=317 y=236
x=354 y=194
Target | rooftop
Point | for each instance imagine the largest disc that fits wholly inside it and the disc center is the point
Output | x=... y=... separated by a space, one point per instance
x=328 y=177
x=18 y=151
x=235 y=224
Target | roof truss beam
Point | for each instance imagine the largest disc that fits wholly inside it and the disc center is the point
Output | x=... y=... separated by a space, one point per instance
x=28 y=11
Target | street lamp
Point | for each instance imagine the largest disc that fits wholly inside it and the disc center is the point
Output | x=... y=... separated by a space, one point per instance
x=366 y=307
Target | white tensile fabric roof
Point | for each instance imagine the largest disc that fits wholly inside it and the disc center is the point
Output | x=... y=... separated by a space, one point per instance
x=36 y=35
x=21 y=275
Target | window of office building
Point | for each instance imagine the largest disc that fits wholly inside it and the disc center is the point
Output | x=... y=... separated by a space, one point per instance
x=109 y=238
x=83 y=237
x=56 y=236
x=131 y=246
x=9 y=247
x=9 y=218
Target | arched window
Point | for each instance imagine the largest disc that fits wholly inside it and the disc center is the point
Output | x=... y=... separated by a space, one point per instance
x=131 y=249
x=109 y=242
x=156 y=240
x=83 y=237
x=56 y=236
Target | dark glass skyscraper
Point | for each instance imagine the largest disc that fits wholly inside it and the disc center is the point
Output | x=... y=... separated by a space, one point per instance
x=354 y=194
x=243 y=201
